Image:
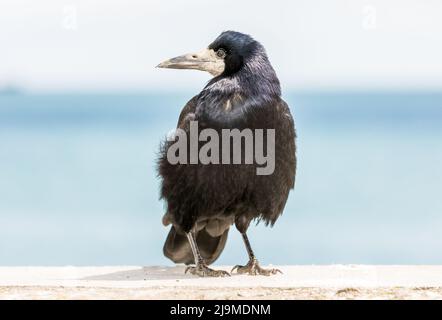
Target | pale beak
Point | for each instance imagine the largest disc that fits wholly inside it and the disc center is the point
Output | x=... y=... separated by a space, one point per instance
x=205 y=60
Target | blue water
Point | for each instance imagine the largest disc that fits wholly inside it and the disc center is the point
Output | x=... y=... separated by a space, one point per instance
x=78 y=183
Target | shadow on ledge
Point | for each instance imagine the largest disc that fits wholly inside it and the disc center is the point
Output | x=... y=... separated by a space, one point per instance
x=145 y=273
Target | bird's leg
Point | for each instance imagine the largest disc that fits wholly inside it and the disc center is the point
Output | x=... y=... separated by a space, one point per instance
x=253 y=267
x=201 y=269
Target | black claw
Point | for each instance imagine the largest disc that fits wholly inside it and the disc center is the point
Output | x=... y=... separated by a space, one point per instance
x=253 y=268
x=277 y=270
x=205 y=271
x=235 y=267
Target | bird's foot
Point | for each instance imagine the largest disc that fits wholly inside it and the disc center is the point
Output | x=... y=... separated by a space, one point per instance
x=204 y=271
x=253 y=268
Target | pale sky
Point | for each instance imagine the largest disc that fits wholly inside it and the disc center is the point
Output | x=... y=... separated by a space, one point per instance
x=58 y=45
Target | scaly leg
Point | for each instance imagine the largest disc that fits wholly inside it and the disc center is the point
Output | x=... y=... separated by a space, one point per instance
x=253 y=267
x=200 y=268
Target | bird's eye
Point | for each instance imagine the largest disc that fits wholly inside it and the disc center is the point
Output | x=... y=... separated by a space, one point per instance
x=221 y=53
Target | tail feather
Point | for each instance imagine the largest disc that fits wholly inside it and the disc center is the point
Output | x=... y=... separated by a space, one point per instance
x=177 y=247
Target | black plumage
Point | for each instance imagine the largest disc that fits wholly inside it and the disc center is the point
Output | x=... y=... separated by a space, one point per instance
x=203 y=201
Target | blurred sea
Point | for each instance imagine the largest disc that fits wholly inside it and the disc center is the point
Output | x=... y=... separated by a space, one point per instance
x=78 y=183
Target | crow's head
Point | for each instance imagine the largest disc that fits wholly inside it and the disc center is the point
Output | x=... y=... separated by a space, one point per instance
x=228 y=54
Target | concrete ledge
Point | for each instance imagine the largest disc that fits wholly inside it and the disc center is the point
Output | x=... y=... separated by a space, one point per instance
x=297 y=282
